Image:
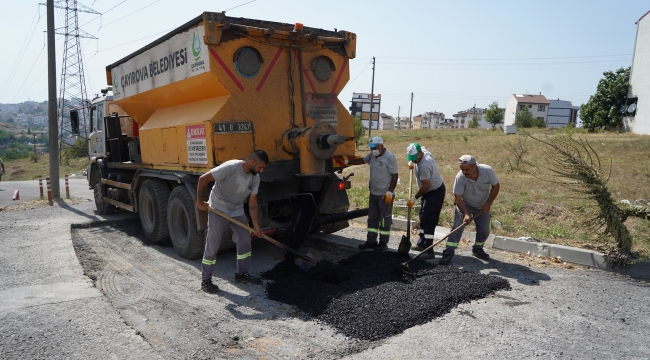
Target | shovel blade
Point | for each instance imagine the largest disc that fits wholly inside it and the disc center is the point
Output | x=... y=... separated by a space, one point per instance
x=404 y=245
x=315 y=255
x=403 y=268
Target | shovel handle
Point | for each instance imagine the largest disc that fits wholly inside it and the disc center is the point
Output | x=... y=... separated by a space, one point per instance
x=471 y=218
x=408 y=218
x=264 y=236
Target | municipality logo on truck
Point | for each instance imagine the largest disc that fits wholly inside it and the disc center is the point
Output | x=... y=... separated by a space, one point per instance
x=196 y=47
x=161 y=65
x=116 y=85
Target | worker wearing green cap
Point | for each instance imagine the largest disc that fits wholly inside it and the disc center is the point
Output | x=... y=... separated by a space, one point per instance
x=431 y=189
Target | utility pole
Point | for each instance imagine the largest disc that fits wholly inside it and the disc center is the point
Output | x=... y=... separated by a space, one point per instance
x=372 y=98
x=51 y=102
x=411 y=114
x=399 y=124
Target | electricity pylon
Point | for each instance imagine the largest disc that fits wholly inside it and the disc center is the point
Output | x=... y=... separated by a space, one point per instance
x=73 y=83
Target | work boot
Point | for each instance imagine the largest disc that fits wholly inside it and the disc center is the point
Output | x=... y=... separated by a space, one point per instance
x=382 y=246
x=428 y=255
x=418 y=248
x=480 y=253
x=247 y=278
x=209 y=287
x=446 y=258
x=367 y=245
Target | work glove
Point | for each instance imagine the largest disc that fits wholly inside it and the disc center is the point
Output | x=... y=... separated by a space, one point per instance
x=411 y=165
x=345 y=159
x=411 y=202
x=388 y=197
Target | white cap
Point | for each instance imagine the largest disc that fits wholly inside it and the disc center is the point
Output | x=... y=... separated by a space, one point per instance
x=467 y=159
x=374 y=141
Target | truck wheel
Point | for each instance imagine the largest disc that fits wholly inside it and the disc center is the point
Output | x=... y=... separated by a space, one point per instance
x=152 y=206
x=181 y=218
x=103 y=208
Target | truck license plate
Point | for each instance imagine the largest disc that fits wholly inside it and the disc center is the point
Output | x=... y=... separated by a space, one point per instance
x=233 y=127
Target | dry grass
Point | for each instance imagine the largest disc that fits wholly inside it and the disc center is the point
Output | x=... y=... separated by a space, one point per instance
x=525 y=206
x=25 y=169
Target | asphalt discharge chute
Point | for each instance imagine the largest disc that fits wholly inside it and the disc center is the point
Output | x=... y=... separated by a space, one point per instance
x=364 y=298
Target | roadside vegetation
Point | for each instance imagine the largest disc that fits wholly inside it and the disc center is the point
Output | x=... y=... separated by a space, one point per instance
x=31 y=167
x=18 y=145
x=527 y=205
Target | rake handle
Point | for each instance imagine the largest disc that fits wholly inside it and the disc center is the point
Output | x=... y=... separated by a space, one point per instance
x=264 y=236
x=471 y=218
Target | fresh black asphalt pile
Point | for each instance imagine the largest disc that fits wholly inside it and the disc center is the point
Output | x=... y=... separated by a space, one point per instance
x=364 y=298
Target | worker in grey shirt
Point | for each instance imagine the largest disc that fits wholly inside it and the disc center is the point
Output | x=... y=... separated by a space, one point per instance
x=475 y=189
x=235 y=181
x=431 y=189
x=383 y=179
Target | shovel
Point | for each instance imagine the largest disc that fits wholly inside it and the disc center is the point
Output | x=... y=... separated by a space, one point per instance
x=405 y=244
x=264 y=236
x=404 y=267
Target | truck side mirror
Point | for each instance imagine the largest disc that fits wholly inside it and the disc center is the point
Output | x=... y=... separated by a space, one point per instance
x=74 y=122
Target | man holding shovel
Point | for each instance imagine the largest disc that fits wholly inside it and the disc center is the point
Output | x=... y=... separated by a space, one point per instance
x=431 y=189
x=475 y=188
x=383 y=179
x=235 y=181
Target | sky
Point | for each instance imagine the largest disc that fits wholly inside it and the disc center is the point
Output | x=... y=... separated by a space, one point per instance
x=452 y=55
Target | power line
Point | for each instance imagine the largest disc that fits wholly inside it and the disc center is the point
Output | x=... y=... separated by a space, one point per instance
x=127 y=15
x=29 y=72
x=521 y=58
x=356 y=77
x=14 y=68
x=508 y=64
x=104 y=13
x=491 y=69
x=126 y=43
x=240 y=5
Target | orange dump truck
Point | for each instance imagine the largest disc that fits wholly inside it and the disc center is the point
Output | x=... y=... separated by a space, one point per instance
x=213 y=90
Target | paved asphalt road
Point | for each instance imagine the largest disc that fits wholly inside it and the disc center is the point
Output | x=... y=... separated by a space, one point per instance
x=121 y=297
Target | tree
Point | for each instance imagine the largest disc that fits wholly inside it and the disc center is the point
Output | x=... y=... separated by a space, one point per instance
x=603 y=108
x=473 y=124
x=539 y=122
x=524 y=118
x=359 y=131
x=494 y=115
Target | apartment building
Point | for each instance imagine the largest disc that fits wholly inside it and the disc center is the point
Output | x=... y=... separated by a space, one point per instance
x=536 y=104
x=360 y=106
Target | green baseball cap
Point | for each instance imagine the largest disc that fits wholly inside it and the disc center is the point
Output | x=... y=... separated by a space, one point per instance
x=412 y=151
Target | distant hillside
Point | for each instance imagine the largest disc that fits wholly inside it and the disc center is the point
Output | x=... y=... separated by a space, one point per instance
x=14 y=128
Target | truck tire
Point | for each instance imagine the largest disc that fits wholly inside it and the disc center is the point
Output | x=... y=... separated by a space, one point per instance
x=181 y=217
x=103 y=208
x=152 y=206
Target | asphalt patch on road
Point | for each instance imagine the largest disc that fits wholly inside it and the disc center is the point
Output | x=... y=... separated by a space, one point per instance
x=363 y=297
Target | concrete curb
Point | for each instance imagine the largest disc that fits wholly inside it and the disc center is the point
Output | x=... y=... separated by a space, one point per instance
x=569 y=254
x=565 y=253
x=398 y=223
